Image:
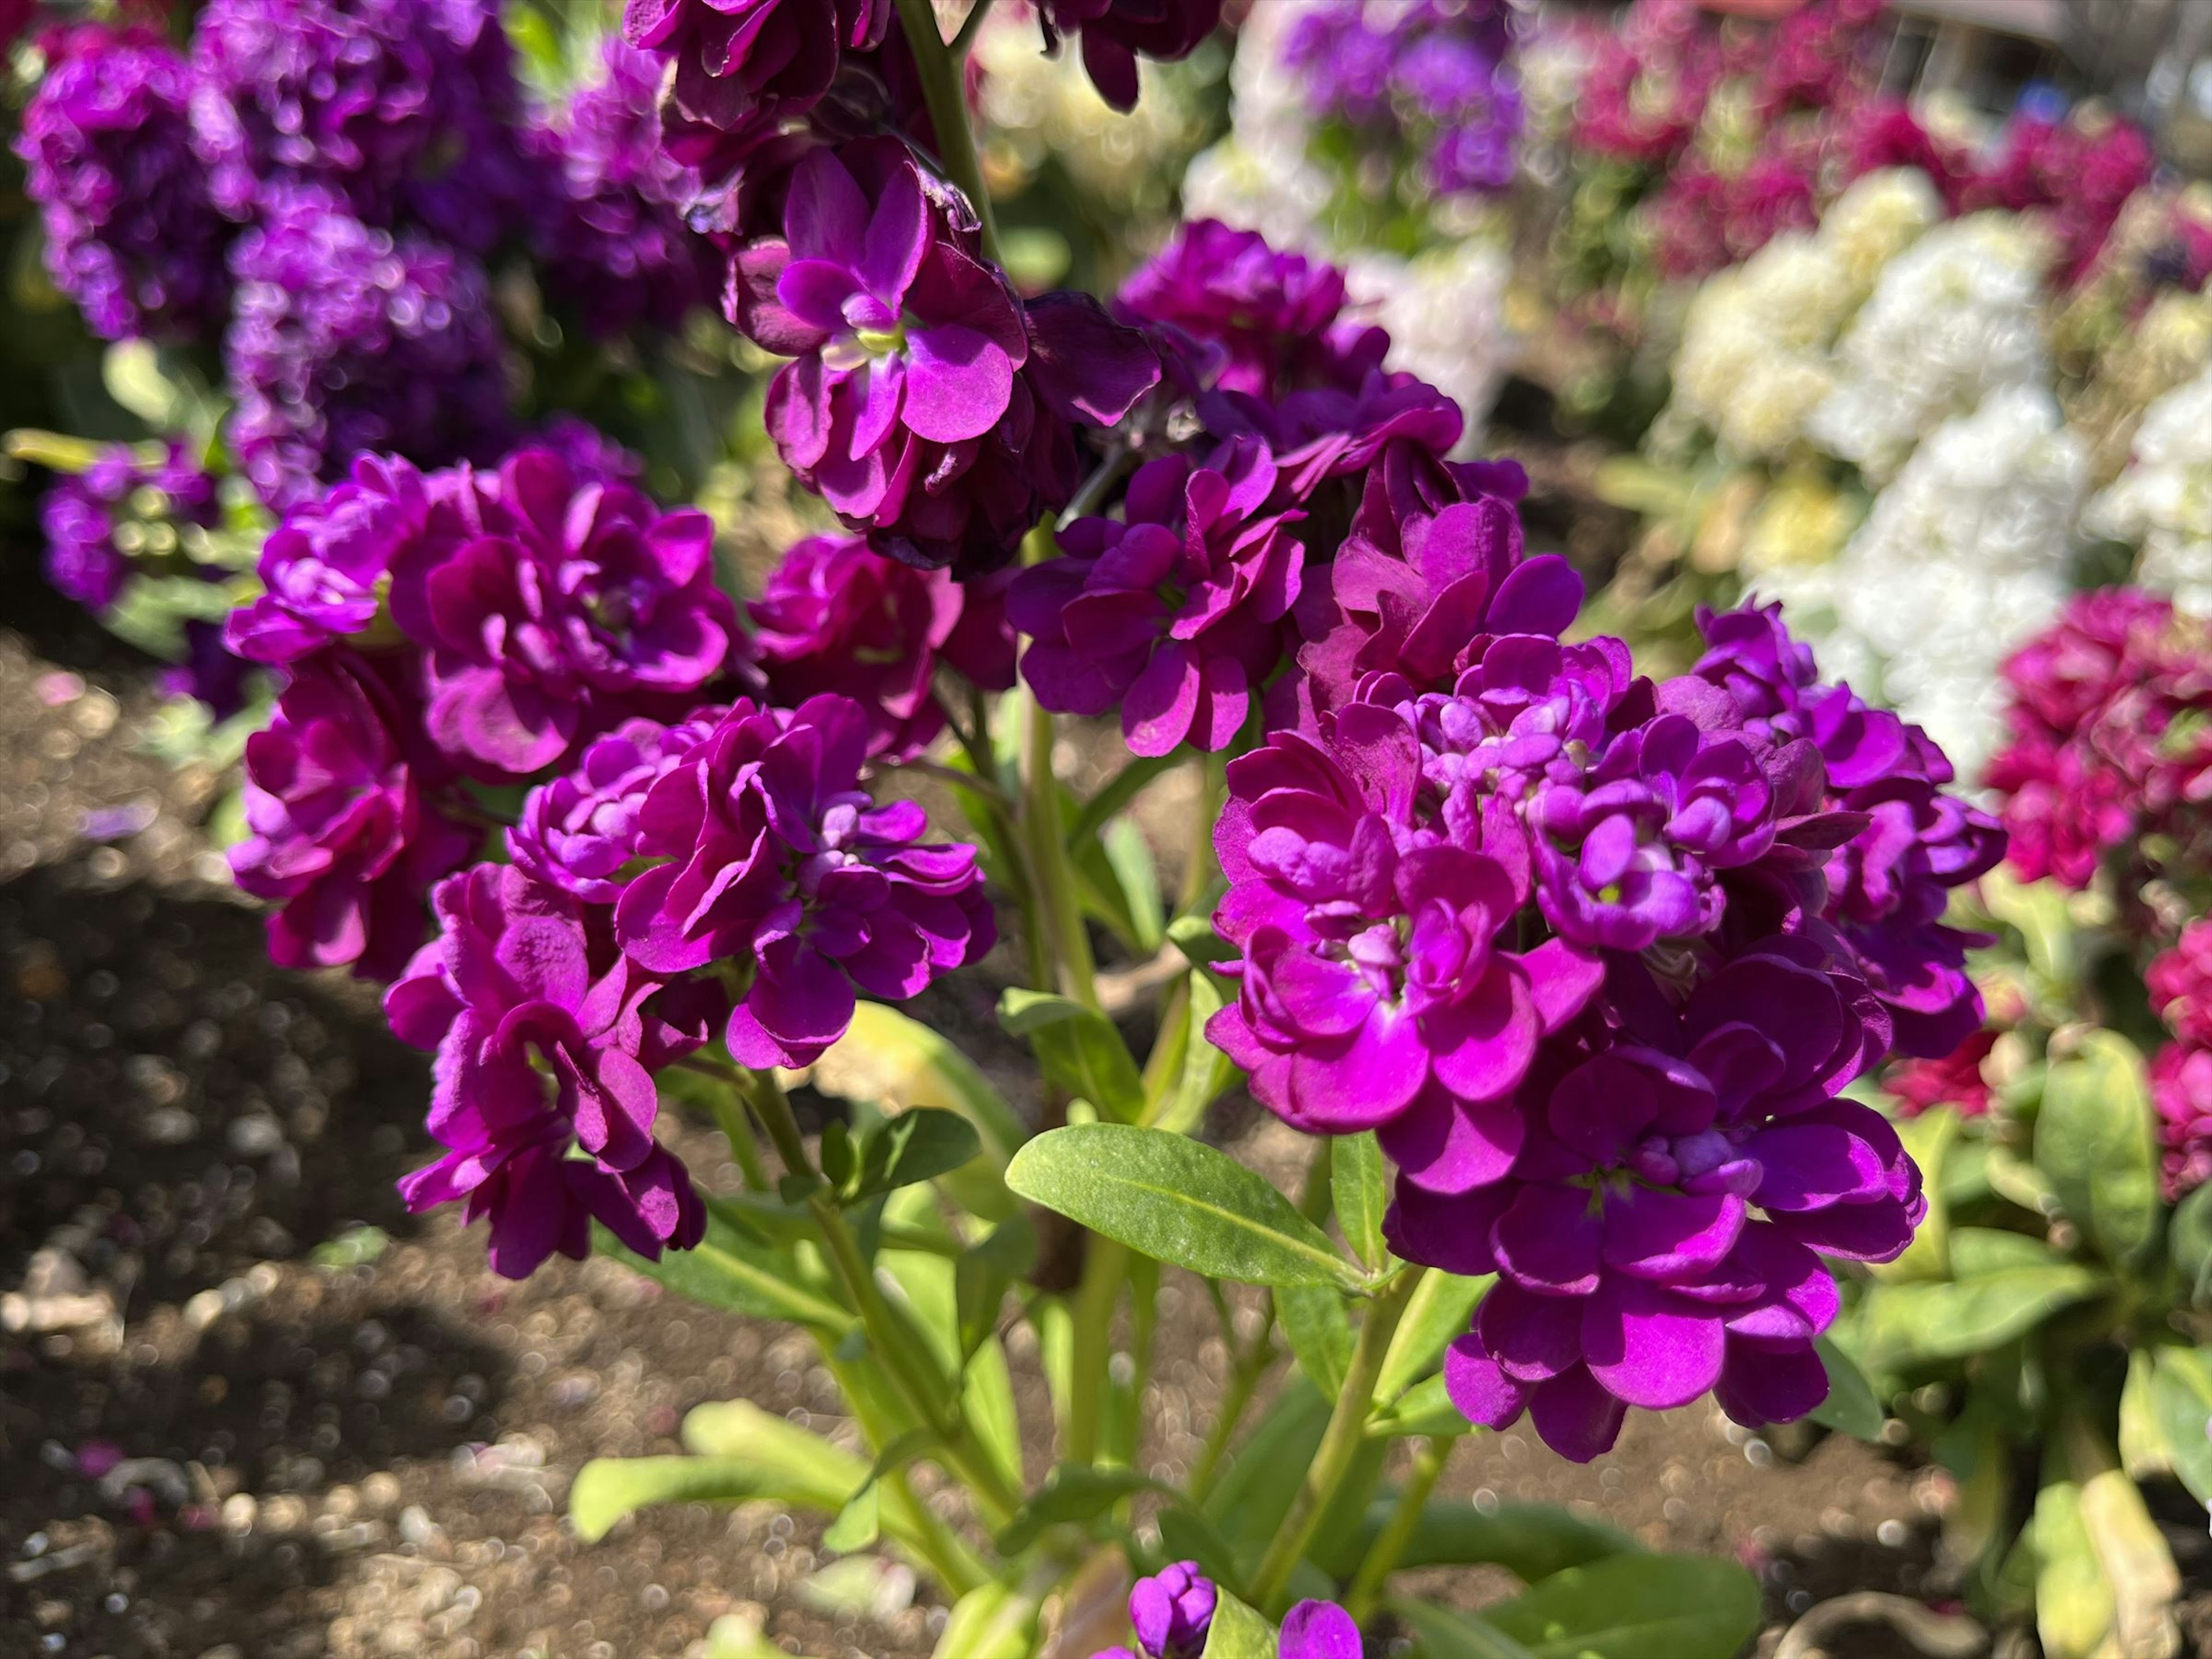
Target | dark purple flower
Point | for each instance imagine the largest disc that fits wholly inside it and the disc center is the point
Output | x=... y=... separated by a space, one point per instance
x=779 y=861
x=545 y=1039
x=1117 y=33
x=1175 y=611
x=2181 y=1092
x=1172 y=1611
x=324 y=568
x=344 y=340
x=1319 y=1630
x=1633 y=1268
x=742 y=59
x=1377 y=988
x=209 y=673
x=836 y=616
x=403 y=110
x=119 y=498
x=907 y=408
x=614 y=241
x=580 y=832
x=1886 y=887
x=131 y=234
x=568 y=605
x=345 y=835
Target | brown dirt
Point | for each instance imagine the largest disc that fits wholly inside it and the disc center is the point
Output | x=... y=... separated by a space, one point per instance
x=350 y=1438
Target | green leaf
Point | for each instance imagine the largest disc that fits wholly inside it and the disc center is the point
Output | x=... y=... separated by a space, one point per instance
x=2073 y=1599
x=841 y=1159
x=1270 y=1467
x=1436 y=1318
x=1194 y=937
x=2096 y=1141
x=2189 y=1242
x=608 y=1488
x=2181 y=1400
x=1362 y=1193
x=1532 y=1542
x=1635 y=1607
x=893 y=1063
x=1978 y=1252
x=1178 y=1202
x=1929 y=1140
x=2143 y=1448
x=1903 y=1325
x=1850 y=1407
x=1117 y=793
x=992 y=1622
x=1071 y=1495
x=1205 y=1069
x=1441 y=1635
x=1237 y=1632
x=727 y=1269
x=1078 y=1049
x=1424 y=1409
x=857 y=1525
x=915 y=1147
x=1138 y=873
x=1314 y=1324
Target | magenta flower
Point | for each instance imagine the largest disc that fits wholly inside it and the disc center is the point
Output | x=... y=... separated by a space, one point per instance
x=1117 y=33
x=1632 y=1271
x=573 y=603
x=579 y=832
x=346 y=836
x=542 y=1041
x=1319 y=1630
x=777 y=859
x=906 y=407
x=81 y=515
x=1172 y=1611
x=1375 y=991
x=323 y=569
x=2181 y=1091
x=740 y=60
x=1175 y=613
x=836 y=616
x=2181 y=983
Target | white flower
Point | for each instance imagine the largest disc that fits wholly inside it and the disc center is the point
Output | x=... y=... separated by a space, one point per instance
x=2163 y=504
x=1961 y=558
x=1953 y=318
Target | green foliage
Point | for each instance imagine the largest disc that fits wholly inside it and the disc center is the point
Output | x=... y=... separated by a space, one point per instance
x=1078 y=1049
x=1628 y=1607
x=2095 y=1140
x=1361 y=1192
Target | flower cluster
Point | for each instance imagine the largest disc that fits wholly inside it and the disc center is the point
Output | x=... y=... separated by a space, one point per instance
x=2163 y=504
x=131 y=236
x=2180 y=982
x=1962 y=557
x=2081 y=171
x=1172 y=1612
x=1595 y=959
x=1431 y=77
x=99 y=520
x=2111 y=739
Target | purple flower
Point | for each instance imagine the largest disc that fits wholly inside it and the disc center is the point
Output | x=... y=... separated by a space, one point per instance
x=1319 y=1630
x=1889 y=884
x=1274 y=316
x=838 y=616
x=131 y=234
x=118 y=493
x=324 y=568
x=907 y=408
x=579 y=831
x=545 y=1039
x=776 y=858
x=344 y=340
x=569 y=603
x=741 y=59
x=1172 y=1611
x=1175 y=613
x=208 y=672
x=345 y=833
x=1632 y=1270
x=1377 y=991
x=614 y=241
x=1117 y=33
x=400 y=109
x=1434 y=564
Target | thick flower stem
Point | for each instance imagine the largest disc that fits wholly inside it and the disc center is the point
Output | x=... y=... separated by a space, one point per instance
x=1340 y=1445
x=1047 y=847
x=1389 y=1545
x=941 y=90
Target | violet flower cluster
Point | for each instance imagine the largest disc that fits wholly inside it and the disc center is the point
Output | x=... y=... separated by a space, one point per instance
x=88 y=517
x=1595 y=958
x=1433 y=77
x=2181 y=983
x=1172 y=1611
x=131 y=234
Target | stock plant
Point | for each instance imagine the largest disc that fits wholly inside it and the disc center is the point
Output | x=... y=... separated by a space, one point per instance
x=2049 y=1333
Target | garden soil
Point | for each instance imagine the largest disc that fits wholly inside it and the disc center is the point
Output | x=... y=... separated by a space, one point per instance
x=250 y=1409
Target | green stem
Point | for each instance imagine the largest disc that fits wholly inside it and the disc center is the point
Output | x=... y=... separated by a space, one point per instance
x=745 y=1146
x=941 y=90
x=1245 y=1376
x=1047 y=847
x=942 y=1550
x=1340 y=1445
x=775 y=1109
x=970 y=27
x=1213 y=793
x=1389 y=1545
x=1104 y=1266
